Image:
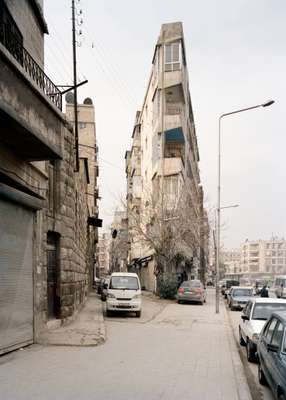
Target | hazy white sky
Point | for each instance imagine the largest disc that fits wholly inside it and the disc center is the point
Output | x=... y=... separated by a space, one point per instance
x=236 y=58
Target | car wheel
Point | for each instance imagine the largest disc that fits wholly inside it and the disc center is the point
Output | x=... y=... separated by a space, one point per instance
x=179 y=301
x=108 y=313
x=241 y=340
x=250 y=354
x=138 y=314
x=261 y=376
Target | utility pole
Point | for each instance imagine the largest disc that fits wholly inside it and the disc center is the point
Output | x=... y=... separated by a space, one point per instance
x=75 y=88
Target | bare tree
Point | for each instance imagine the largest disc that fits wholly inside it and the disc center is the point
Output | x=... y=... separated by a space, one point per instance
x=169 y=227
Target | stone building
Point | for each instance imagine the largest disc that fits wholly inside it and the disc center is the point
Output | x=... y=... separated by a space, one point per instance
x=88 y=149
x=162 y=165
x=45 y=247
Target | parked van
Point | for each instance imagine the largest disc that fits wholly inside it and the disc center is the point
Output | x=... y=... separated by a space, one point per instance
x=279 y=286
x=124 y=293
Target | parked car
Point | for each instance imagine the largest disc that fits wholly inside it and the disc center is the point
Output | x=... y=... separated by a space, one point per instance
x=271 y=351
x=96 y=283
x=191 y=291
x=124 y=293
x=253 y=318
x=228 y=284
x=228 y=293
x=239 y=296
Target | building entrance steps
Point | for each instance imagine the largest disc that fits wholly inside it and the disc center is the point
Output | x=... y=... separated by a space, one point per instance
x=87 y=329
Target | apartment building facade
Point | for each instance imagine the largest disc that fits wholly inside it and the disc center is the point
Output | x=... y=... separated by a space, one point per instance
x=118 y=249
x=231 y=261
x=44 y=241
x=104 y=243
x=263 y=258
x=162 y=164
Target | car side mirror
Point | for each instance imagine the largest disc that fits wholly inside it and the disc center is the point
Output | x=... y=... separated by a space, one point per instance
x=245 y=317
x=272 y=347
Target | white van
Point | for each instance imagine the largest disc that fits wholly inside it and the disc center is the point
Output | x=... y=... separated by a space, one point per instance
x=124 y=293
x=279 y=286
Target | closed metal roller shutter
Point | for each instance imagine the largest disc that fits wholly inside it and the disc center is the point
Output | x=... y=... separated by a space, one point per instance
x=16 y=276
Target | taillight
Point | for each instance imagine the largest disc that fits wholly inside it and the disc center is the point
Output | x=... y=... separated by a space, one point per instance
x=181 y=290
x=199 y=290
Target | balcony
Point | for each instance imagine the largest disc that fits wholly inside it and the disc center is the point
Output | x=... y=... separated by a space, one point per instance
x=30 y=103
x=173 y=166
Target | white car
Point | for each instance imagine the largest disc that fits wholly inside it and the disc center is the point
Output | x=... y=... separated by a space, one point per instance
x=254 y=315
x=124 y=293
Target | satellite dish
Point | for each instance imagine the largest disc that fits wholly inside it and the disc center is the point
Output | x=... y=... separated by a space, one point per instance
x=88 y=101
x=70 y=98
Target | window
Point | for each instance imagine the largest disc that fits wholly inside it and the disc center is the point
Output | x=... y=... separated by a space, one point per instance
x=241 y=292
x=262 y=311
x=82 y=125
x=277 y=335
x=269 y=329
x=124 y=282
x=173 y=56
x=171 y=185
x=247 y=309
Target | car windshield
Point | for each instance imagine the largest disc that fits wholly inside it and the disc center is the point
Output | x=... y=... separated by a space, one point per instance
x=195 y=284
x=124 y=282
x=241 y=292
x=262 y=311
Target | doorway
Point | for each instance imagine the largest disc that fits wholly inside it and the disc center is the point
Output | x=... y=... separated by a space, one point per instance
x=53 y=275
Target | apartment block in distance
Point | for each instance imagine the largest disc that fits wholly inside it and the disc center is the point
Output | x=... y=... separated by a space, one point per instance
x=263 y=258
x=103 y=248
x=164 y=155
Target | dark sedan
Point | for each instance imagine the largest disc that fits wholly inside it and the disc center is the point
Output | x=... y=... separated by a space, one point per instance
x=271 y=352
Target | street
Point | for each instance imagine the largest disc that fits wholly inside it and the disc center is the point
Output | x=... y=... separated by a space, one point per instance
x=252 y=367
x=172 y=351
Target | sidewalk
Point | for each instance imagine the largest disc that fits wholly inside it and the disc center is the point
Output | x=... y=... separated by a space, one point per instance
x=211 y=363
x=88 y=329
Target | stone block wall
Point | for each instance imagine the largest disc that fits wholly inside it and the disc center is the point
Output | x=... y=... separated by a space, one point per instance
x=67 y=219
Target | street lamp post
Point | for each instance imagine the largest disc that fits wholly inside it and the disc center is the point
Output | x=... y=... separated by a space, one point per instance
x=268 y=103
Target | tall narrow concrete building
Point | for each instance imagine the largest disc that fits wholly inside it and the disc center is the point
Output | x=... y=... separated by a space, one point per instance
x=162 y=167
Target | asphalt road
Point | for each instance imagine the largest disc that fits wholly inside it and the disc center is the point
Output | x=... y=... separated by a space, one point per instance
x=265 y=392
x=182 y=351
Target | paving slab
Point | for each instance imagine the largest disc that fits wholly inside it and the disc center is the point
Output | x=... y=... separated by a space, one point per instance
x=88 y=328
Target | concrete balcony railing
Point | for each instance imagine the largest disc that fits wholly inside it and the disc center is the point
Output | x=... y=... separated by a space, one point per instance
x=173 y=166
x=30 y=117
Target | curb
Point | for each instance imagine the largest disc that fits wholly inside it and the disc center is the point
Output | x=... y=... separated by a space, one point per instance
x=243 y=389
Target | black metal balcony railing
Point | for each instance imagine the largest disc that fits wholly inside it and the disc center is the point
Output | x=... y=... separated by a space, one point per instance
x=12 y=39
